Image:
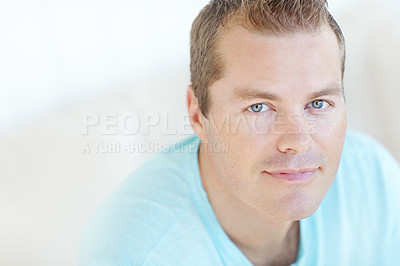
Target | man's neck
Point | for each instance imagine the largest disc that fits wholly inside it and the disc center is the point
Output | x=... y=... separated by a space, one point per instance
x=262 y=240
x=283 y=257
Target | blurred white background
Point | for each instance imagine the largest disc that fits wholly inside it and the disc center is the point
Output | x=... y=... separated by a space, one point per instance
x=66 y=64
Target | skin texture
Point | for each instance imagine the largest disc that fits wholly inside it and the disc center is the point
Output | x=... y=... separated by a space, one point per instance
x=295 y=81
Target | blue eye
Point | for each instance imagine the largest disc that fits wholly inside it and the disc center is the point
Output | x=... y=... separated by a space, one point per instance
x=257 y=108
x=319 y=104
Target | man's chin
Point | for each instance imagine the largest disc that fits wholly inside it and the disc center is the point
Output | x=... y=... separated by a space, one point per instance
x=298 y=210
x=295 y=215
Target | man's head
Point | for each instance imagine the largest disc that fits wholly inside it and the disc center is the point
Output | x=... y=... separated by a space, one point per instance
x=264 y=16
x=273 y=98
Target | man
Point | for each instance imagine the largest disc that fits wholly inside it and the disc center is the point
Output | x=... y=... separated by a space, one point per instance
x=257 y=185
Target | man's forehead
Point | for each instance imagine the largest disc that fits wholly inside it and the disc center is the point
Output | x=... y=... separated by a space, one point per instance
x=239 y=43
x=236 y=35
x=238 y=47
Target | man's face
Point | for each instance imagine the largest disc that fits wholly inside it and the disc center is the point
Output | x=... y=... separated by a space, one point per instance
x=277 y=120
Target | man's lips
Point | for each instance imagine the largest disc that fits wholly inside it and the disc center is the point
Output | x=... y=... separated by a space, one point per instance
x=293 y=174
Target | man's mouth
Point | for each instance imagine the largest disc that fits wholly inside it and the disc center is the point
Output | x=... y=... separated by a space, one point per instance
x=293 y=175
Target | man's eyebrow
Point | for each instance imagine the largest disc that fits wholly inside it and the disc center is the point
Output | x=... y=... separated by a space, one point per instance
x=334 y=90
x=249 y=94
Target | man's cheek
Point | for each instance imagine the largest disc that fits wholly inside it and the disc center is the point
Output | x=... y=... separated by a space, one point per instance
x=326 y=127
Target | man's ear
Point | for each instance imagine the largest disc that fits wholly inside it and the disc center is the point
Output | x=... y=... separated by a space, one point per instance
x=197 y=120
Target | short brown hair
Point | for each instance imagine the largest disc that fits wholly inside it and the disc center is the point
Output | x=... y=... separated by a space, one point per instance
x=269 y=16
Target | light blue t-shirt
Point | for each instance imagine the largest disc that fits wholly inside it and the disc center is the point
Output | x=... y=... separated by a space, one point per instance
x=160 y=215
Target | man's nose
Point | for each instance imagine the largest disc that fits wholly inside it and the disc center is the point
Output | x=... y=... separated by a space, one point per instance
x=295 y=136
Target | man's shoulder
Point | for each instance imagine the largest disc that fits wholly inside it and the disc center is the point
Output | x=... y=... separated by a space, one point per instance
x=145 y=209
x=365 y=163
x=356 y=139
x=360 y=148
x=361 y=208
x=171 y=170
x=368 y=180
x=166 y=180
